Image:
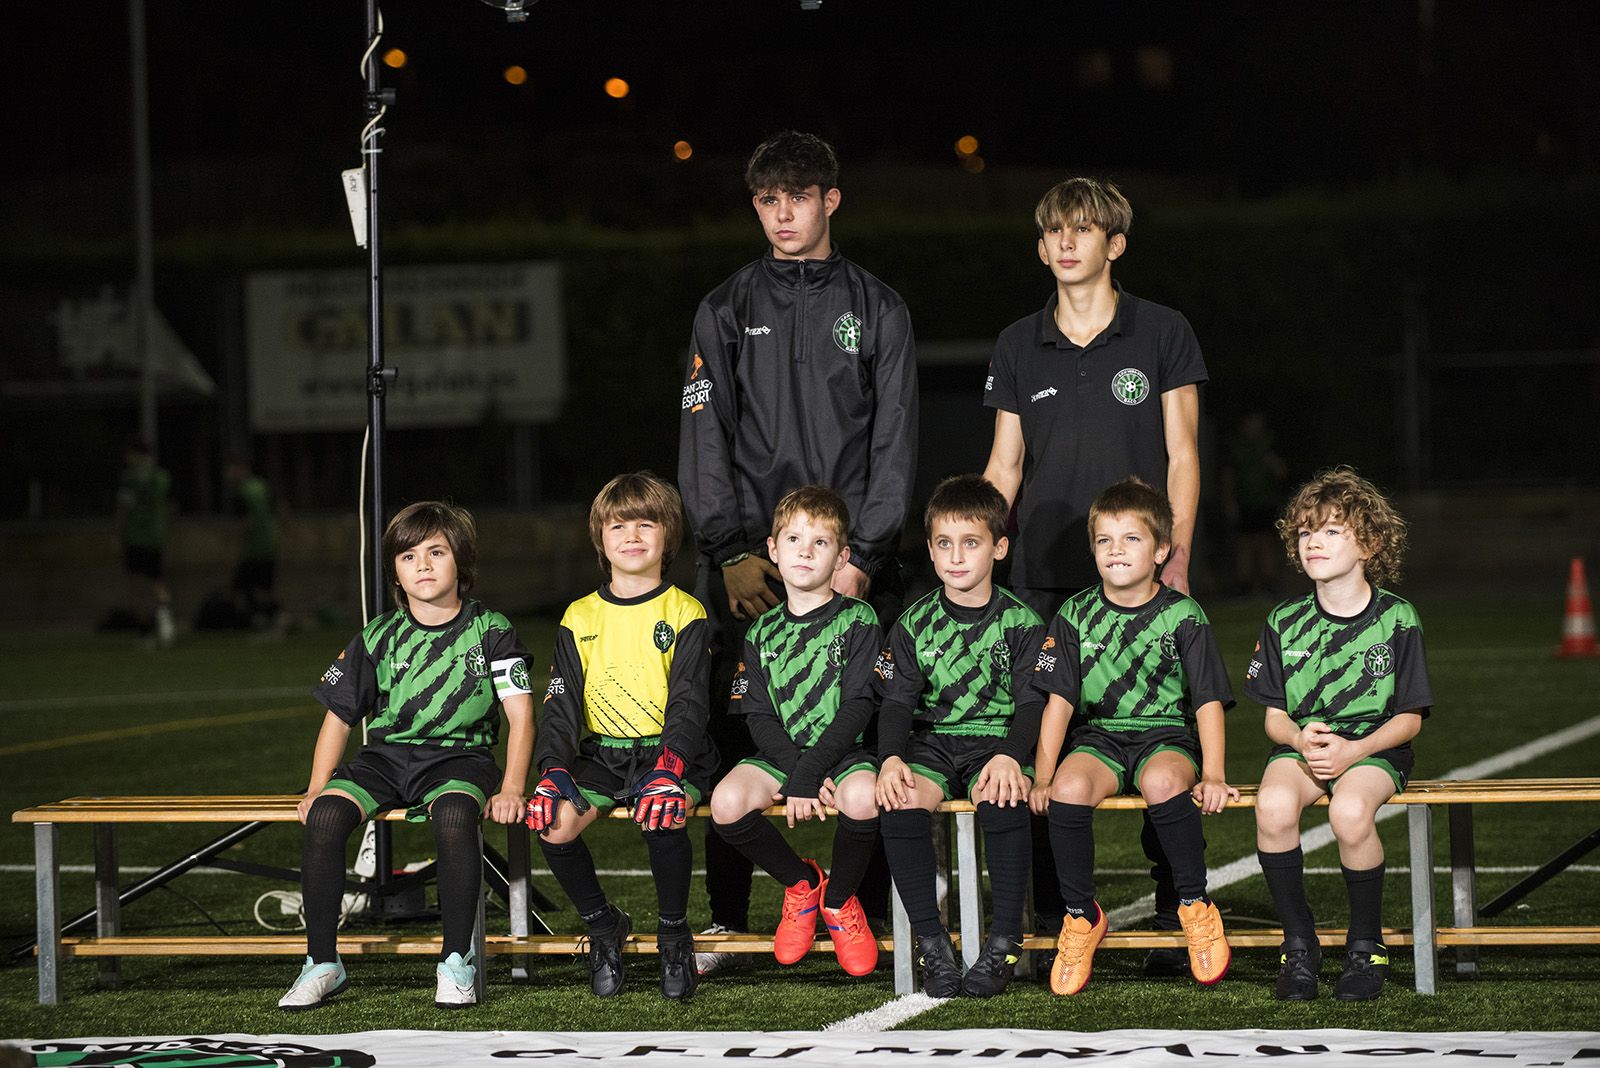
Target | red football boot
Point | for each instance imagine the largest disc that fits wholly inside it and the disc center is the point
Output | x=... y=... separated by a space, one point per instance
x=853 y=941
x=797 y=926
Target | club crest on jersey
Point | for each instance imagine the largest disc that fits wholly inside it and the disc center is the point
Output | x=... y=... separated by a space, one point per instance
x=1379 y=660
x=847 y=332
x=836 y=651
x=663 y=635
x=1000 y=654
x=1130 y=386
x=476 y=663
x=1169 y=646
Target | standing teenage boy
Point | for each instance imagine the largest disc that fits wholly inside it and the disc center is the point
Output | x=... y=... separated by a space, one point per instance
x=803 y=372
x=1097 y=386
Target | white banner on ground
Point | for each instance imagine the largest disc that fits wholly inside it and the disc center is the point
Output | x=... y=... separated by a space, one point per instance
x=466 y=339
x=496 y=1049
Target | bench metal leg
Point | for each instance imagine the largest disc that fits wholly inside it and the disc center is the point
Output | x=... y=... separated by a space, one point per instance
x=904 y=974
x=47 y=895
x=971 y=882
x=1425 y=946
x=517 y=891
x=479 y=955
x=1463 y=884
x=107 y=901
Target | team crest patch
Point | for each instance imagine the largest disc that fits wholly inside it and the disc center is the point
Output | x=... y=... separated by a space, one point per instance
x=476 y=663
x=519 y=675
x=1379 y=660
x=1000 y=653
x=847 y=332
x=178 y=1052
x=1130 y=386
x=1169 y=646
x=663 y=635
x=836 y=651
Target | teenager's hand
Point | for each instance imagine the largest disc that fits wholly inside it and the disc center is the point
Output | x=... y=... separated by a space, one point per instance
x=663 y=805
x=1212 y=795
x=1001 y=782
x=826 y=794
x=748 y=592
x=800 y=809
x=506 y=807
x=895 y=783
x=851 y=581
x=1311 y=735
x=1039 y=799
x=1175 y=572
x=557 y=785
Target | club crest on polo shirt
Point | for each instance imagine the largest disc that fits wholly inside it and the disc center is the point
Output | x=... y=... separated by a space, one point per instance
x=847 y=332
x=1130 y=386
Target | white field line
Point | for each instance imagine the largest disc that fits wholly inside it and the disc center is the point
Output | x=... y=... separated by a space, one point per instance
x=85 y=869
x=903 y=1008
x=117 y=700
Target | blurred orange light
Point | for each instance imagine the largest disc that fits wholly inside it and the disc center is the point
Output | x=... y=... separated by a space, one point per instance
x=616 y=88
x=683 y=150
x=515 y=75
x=394 y=58
x=966 y=145
x=972 y=164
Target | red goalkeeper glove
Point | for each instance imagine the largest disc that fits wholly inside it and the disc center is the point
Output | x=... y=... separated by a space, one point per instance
x=557 y=785
x=662 y=802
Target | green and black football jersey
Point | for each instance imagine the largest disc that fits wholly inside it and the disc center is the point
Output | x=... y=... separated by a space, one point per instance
x=428 y=685
x=802 y=675
x=1133 y=669
x=1351 y=673
x=962 y=670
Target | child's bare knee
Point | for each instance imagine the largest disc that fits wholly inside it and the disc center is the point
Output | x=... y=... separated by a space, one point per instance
x=1277 y=810
x=1073 y=790
x=856 y=798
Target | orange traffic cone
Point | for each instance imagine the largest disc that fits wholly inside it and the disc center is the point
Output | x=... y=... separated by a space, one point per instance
x=1577 y=628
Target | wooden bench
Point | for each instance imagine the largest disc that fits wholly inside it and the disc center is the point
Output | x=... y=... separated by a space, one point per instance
x=108 y=944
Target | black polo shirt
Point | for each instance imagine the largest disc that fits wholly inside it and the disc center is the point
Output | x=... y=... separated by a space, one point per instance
x=1091 y=416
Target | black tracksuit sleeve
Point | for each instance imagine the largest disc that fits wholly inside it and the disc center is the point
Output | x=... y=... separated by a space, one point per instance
x=899 y=683
x=754 y=697
x=689 y=694
x=876 y=530
x=857 y=701
x=561 y=718
x=705 y=437
x=1027 y=700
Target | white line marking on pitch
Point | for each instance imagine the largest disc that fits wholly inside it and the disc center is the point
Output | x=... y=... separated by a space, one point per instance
x=903 y=1008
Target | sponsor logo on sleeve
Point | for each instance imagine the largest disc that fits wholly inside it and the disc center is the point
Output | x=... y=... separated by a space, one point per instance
x=741 y=684
x=557 y=687
x=1047 y=659
x=332 y=676
x=1255 y=669
x=698 y=390
x=884 y=666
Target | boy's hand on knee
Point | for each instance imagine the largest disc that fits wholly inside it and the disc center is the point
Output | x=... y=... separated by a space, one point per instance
x=895 y=783
x=1212 y=795
x=826 y=795
x=663 y=805
x=506 y=807
x=303 y=809
x=1039 y=799
x=800 y=809
x=557 y=785
x=1001 y=782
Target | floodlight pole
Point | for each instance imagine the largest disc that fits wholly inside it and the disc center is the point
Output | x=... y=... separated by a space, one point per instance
x=377 y=100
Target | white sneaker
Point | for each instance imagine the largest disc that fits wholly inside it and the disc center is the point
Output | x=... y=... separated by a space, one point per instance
x=458 y=987
x=710 y=961
x=317 y=983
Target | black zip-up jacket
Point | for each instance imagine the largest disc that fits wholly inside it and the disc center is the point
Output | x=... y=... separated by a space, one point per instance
x=802 y=372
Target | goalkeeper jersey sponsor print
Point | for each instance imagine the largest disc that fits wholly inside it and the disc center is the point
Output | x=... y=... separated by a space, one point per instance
x=436 y=685
x=627 y=668
x=1352 y=673
x=962 y=670
x=1133 y=669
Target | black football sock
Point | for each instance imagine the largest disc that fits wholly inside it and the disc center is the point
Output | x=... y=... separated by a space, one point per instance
x=457 y=820
x=671 y=859
x=727 y=881
x=1047 y=906
x=758 y=838
x=1166 y=918
x=328 y=827
x=853 y=844
x=1366 y=902
x=908 y=841
x=1072 y=838
x=1008 y=848
x=1177 y=823
x=573 y=867
x=1286 y=879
